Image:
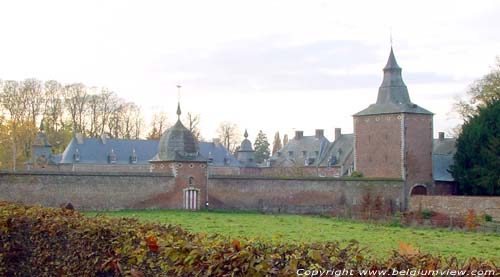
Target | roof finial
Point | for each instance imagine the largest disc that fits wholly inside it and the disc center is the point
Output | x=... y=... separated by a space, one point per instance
x=390 y=36
x=246 y=134
x=179 y=101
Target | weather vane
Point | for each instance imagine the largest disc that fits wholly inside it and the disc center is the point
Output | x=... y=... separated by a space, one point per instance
x=179 y=93
x=390 y=36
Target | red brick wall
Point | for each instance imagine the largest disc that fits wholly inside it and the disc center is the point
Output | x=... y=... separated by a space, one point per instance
x=457 y=205
x=418 y=147
x=183 y=172
x=378 y=145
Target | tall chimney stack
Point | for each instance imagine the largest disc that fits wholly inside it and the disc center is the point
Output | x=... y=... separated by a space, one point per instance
x=338 y=133
x=320 y=133
x=299 y=134
x=441 y=136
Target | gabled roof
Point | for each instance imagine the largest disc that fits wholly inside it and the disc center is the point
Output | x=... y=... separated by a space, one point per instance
x=393 y=94
x=306 y=144
x=341 y=149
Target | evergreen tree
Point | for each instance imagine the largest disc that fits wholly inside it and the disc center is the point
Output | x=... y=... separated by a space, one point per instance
x=477 y=161
x=285 y=139
x=277 y=143
x=261 y=147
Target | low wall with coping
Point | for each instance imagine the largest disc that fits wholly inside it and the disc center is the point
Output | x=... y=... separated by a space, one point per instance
x=116 y=191
x=457 y=205
x=86 y=191
x=299 y=195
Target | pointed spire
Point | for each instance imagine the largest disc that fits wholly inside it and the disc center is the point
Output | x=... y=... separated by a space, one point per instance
x=393 y=89
x=178 y=110
x=391 y=62
x=41 y=126
x=179 y=102
x=246 y=134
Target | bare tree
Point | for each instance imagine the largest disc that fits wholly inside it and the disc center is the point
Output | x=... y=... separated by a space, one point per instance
x=229 y=135
x=32 y=91
x=159 y=124
x=192 y=122
x=53 y=110
x=75 y=100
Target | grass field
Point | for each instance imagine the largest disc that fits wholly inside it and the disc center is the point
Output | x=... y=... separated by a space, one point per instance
x=379 y=239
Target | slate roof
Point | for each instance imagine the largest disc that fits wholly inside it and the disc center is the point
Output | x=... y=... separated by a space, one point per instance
x=94 y=151
x=296 y=151
x=340 y=152
x=442 y=158
x=178 y=144
x=393 y=94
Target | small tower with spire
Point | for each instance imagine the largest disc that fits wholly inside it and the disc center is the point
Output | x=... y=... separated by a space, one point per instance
x=41 y=150
x=246 y=154
x=393 y=136
x=178 y=155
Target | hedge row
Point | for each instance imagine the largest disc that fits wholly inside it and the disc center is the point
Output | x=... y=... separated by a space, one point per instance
x=36 y=241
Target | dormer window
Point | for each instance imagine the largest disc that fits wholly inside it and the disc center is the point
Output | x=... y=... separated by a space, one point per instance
x=333 y=160
x=112 y=157
x=76 y=155
x=133 y=157
x=309 y=161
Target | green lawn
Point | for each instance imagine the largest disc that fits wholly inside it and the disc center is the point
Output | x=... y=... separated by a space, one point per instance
x=379 y=239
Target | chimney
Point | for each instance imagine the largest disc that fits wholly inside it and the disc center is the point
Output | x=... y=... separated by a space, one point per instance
x=338 y=133
x=298 y=135
x=441 y=136
x=320 y=133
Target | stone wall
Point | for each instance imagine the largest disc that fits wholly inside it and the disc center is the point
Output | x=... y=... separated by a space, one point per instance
x=457 y=205
x=87 y=191
x=307 y=195
x=115 y=191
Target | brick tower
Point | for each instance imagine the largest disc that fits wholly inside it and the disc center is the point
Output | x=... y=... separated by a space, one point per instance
x=178 y=154
x=393 y=137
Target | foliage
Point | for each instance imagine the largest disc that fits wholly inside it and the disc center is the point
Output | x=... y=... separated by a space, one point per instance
x=426 y=214
x=379 y=239
x=480 y=94
x=38 y=241
x=261 y=147
x=65 y=110
x=471 y=220
x=356 y=174
x=276 y=143
x=487 y=218
x=477 y=159
x=285 y=139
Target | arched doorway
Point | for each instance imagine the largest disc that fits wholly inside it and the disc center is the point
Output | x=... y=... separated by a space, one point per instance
x=419 y=190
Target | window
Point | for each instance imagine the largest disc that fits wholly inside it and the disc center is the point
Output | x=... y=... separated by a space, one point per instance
x=133 y=157
x=290 y=153
x=112 y=157
x=304 y=153
x=76 y=155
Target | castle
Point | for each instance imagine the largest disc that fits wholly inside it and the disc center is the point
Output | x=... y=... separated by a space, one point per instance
x=392 y=139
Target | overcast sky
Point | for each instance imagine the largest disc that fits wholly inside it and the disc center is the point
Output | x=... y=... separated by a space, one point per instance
x=264 y=65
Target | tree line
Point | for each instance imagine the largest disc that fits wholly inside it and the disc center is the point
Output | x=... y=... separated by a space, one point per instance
x=67 y=109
